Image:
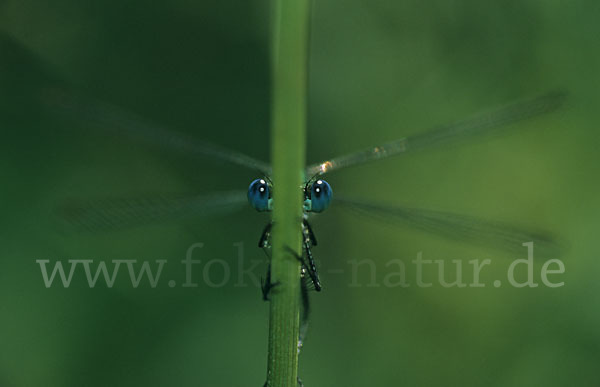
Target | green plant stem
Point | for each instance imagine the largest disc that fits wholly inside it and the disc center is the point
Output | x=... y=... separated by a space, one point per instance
x=290 y=21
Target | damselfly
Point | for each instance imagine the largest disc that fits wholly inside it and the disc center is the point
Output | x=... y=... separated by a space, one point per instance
x=318 y=194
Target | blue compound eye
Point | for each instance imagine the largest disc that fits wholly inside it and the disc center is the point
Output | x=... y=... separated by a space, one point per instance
x=258 y=195
x=320 y=196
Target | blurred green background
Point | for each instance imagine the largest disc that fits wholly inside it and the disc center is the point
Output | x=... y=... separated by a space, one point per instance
x=379 y=70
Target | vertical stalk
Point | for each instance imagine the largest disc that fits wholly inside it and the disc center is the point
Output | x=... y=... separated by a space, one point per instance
x=290 y=22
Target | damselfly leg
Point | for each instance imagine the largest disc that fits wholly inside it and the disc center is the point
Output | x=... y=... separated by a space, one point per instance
x=264 y=243
x=309 y=240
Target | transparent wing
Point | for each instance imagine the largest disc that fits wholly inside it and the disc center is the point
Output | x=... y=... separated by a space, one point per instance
x=475 y=126
x=112 y=214
x=465 y=228
x=110 y=118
